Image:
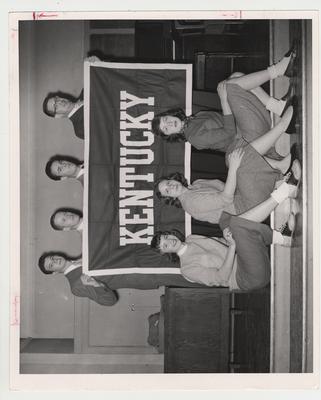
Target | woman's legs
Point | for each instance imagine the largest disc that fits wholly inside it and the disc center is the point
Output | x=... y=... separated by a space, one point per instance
x=270 y=103
x=253 y=261
x=261 y=95
x=253 y=80
x=260 y=212
x=263 y=143
x=258 y=91
x=256 y=79
x=281 y=165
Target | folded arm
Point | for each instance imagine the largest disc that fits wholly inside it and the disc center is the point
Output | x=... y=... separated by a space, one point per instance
x=85 y=286
x=234 y=160
x=210 y=275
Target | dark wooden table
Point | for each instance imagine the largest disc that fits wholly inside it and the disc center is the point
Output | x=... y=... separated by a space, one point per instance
x=196 y=330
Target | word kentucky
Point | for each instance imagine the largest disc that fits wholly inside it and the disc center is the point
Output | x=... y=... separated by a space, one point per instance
x=135 y=152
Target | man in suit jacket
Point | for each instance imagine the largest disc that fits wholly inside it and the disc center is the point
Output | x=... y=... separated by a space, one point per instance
x=58 y=105
x=62 y=106
x=81 y=285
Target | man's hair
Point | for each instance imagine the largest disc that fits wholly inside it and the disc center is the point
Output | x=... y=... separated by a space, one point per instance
x=155 y=243
x=50 y=96
x=172 y=201
x=174 y=112
x=59 y=158
x=45 y=106
x=52 y=218
x=41 y=262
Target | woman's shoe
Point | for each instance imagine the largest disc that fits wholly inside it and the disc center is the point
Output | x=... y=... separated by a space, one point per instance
x=287 y=231
x=295 y=207
x=294 y=180
x=294 y=156
x=292 y=66
x=284 y=235
x=288 y=97
x=292 y=49
x=294 y=103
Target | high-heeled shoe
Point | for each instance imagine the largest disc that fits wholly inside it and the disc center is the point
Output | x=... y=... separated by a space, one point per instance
x=294 y=156
x=287 y=98
x=295 y=208
x=287 y=232
x=291 y=69
x=293 y=48
x=294 y=180
x=294 y=103
x=289 y=94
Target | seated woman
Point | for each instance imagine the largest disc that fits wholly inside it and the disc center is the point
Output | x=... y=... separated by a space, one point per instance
x=251 y=179
x=243 y=102
x=63 y=167
x=67 y=219
x=241 y=259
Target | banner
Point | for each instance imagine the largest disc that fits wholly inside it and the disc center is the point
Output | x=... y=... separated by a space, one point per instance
x=124 y=159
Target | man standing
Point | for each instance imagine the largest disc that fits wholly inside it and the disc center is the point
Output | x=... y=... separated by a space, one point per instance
x=81 y=285
x=59 y=106
x=60 y=167
x=67 y=219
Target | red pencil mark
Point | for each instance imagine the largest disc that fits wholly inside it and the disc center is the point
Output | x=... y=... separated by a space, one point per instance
x=230 y=14
x=43 y=15
x=15 y=312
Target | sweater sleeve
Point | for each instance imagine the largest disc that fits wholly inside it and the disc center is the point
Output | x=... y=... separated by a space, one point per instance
x=214 y=183
x=102 y=295
x=212 y=199
x=198 y=273
x=203 y=260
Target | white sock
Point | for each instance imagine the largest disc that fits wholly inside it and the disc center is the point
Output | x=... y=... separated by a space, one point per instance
x=274 y=105
x=272 y=71
x=281 y=193
x=279 y=68
x=277 y=238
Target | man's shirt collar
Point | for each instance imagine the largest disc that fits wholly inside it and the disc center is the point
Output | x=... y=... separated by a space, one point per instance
x=74 y=265
x=77 y=105
x=182 y=250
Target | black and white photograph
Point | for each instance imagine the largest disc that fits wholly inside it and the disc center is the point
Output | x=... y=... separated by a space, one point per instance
x=163 y=165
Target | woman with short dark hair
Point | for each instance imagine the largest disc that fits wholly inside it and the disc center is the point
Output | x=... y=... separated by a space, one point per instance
x=241 y=259
x=245 y=112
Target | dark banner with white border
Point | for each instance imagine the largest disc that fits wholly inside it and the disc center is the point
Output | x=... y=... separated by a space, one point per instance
x=123 y=160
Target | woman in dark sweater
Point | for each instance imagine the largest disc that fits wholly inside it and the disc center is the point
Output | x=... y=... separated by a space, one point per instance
x=244 y=114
